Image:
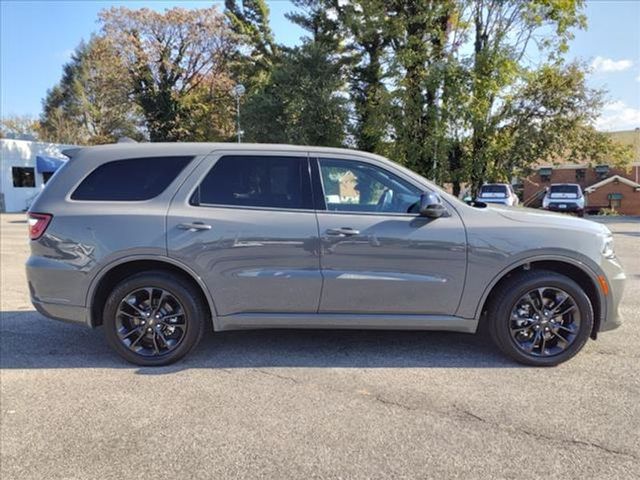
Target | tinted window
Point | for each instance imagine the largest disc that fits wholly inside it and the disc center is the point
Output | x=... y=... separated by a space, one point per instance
x=23 y=177
x=352 y=186
x=257 y=181
x=494 y=189
x=564 y=189
x=130 y=180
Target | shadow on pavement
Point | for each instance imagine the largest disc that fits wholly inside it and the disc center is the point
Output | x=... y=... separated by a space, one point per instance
x=31 y=341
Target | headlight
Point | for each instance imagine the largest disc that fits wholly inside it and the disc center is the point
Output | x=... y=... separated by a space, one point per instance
x=607 y=248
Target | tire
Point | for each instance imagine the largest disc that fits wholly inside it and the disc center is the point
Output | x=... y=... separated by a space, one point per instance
x=508 y=314
x=177 y=333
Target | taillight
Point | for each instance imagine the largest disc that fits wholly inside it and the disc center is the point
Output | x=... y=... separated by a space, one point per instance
x=38 y=223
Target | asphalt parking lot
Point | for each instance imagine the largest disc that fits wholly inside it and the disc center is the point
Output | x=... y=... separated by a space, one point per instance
x=313 y=404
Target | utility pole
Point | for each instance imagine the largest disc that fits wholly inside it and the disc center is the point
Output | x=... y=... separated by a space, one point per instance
x=238 y=91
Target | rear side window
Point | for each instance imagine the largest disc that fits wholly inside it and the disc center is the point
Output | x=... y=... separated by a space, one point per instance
x=133 y=179
x=257 y=181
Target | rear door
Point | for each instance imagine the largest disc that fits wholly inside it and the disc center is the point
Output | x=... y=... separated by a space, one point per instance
x=378 y=255
x=245 y=223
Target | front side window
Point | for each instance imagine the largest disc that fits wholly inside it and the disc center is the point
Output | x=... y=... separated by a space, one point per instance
x=23 y=177
x=351 y=186
x=132 y=179
x=257 y=181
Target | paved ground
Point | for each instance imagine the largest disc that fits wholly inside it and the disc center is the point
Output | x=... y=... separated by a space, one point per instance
x=313 y=404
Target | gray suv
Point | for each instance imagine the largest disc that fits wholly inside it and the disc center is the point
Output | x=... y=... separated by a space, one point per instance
x=158 y=242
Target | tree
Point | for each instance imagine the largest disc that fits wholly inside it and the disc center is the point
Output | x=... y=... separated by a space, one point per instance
x=257 y=52
x=549 y=119
x=175 y=60
x=419 y=36
x=502 y=33
x=301 y=103
x=324 y=27
x=90 y=105
x=363 y=26
x=19 y=126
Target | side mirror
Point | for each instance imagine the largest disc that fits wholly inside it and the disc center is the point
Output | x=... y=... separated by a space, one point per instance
x=431 y=205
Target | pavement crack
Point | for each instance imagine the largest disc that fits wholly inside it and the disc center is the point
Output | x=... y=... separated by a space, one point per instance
x=542 y=436
x=276 y=375
x=393 y=403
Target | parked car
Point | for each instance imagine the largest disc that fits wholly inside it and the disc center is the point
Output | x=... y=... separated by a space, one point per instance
x=564 y=197
x=158 y=242
x=500 y=193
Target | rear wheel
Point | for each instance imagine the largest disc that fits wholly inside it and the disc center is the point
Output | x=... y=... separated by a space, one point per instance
x=153 y=318
x=540 y=318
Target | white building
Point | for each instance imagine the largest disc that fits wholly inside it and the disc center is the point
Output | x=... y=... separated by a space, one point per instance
x=25 y=168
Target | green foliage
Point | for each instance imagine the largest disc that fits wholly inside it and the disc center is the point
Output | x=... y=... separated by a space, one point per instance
x=462 y=91
x=177 y=63
x=502 y=33
x=257 y=52
x=364 y=26
x=421 y=63
x=301 y=102
x=91 y=104
x=548 y=118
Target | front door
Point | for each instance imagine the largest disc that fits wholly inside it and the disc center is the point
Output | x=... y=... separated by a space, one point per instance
x=245 y=223
x=377 y=255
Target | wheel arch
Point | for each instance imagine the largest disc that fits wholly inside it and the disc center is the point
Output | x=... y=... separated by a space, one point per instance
x=115 y=272
x=582 y=274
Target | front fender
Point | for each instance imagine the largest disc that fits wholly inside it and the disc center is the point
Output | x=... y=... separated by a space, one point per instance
x=481 y=280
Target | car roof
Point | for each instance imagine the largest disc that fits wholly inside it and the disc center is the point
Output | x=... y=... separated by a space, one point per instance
x=198 y=148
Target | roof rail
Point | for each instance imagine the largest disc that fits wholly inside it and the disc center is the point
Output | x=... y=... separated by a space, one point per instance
x=126 y=140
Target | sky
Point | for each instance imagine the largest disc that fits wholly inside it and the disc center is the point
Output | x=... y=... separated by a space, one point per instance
x=38 y=37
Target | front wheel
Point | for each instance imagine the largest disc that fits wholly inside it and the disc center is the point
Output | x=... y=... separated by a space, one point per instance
x=153 y=318
x=540 y=318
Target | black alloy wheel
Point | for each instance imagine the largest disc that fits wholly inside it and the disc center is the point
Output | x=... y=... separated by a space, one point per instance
x=154 y=318
x=151 y=321
x=540 y=318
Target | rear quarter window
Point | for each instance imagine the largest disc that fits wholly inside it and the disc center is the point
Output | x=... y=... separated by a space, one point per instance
x=132 y=179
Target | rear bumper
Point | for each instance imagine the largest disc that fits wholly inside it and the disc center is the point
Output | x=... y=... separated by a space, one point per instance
x=65 y=313
x=57 y=289
x=569 y=207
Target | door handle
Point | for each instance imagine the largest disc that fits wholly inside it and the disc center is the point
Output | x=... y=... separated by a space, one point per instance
x=195 y=226
x=342 y=232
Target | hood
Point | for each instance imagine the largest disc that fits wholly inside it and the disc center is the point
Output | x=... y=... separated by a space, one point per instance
x=549 y=219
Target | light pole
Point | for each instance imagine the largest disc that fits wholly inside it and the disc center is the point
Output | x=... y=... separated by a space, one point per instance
x=238 y=91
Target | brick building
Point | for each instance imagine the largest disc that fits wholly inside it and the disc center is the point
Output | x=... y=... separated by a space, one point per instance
x=604 y=187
